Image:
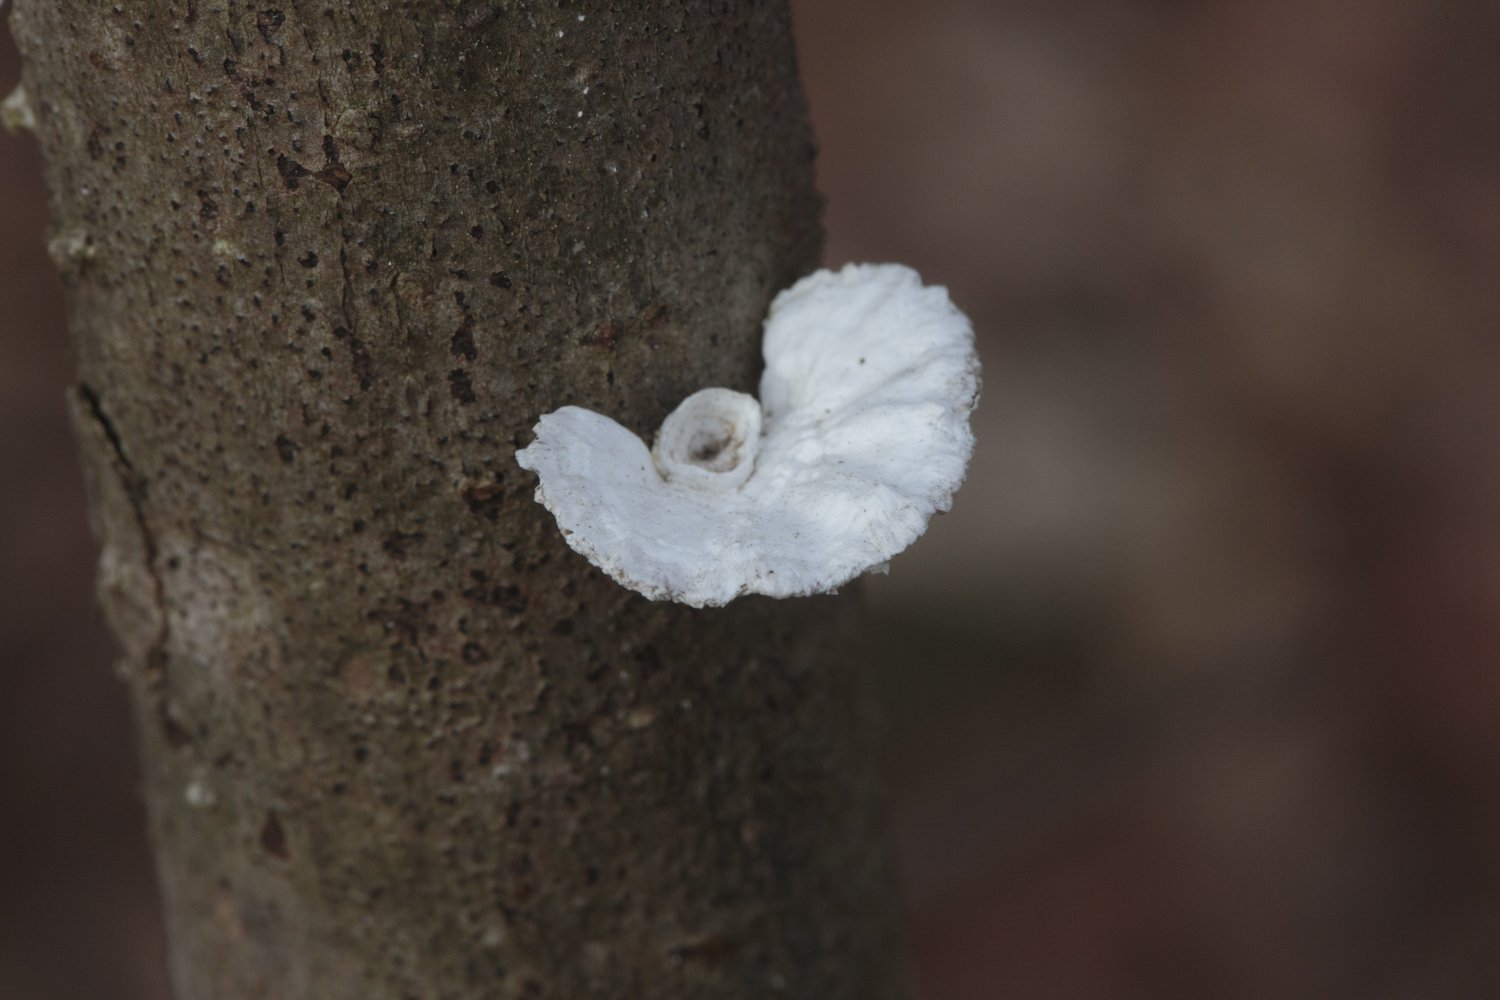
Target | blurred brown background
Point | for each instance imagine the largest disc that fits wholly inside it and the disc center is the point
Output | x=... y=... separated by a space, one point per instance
x=1195 y=693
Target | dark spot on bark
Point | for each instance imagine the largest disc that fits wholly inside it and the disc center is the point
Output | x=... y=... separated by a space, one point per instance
x=399 y=543
x=512 y=600
x=308 y=260
x=96 y=58
x=377 y=56
x=459 y=385
x=291 y=172
x=396 y=676
x=604 y=335
x=404 y=620
x=456 y=770
x=575 y=735
x=287 y=449
x=564 y=626
x=649 y=659
x=359 y=359
x=474 y=653
x=267 y=21
x=654 y=315
x=706 y=948
x=273 y=836
x=508 y=598
x=486 y=753
x=174 y=732
x=361 y=752
x=462 y=344
x=523 y=887
x=499 y=279
x=477 y=232
x=335 y=175
x=207 y=207
x=280 y=238
x=485 y=499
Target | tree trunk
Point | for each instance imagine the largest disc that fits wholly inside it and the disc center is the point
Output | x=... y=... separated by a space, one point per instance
x=326 y=265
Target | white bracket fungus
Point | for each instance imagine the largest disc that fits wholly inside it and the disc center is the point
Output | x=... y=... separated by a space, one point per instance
x=861 y=434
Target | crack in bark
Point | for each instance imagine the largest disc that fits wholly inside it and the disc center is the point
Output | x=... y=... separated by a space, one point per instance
x=134 y=488
x=95 y=408
x=346 y=293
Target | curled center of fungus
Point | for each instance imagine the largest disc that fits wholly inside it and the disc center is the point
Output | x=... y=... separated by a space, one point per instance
x=710 y=440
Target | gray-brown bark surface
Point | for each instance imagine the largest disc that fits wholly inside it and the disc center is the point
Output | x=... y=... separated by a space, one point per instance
x=326 y=264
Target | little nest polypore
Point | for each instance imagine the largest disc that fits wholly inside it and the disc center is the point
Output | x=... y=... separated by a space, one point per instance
x=860 y=435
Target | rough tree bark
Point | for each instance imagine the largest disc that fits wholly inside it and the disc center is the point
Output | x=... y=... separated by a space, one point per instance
x=326 y=265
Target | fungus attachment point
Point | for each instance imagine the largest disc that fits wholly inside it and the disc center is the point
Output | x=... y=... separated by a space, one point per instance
x=870 y=377
x=709 y=442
